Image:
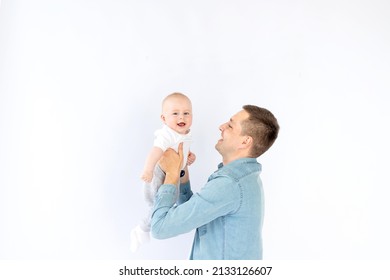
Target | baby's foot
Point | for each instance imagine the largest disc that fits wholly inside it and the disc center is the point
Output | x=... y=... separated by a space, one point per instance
x=138 y=237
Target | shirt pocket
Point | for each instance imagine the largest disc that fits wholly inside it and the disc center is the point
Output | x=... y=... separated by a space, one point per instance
x=202 y=230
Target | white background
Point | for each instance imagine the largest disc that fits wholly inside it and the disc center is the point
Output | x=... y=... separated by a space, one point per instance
x=81 y=84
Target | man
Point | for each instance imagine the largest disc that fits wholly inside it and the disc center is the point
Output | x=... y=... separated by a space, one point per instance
x=228 y=211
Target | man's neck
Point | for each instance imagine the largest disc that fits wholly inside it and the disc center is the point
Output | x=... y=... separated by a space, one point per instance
x=227 y=160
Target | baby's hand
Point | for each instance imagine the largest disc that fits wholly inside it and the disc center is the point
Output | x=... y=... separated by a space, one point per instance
x=191 y=158
x=147 y=176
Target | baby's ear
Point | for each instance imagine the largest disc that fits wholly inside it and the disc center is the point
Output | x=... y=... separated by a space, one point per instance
x=163 y=118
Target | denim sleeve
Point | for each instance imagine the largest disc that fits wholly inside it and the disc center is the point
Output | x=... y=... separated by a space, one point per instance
x=185 y=193
x=218 y=197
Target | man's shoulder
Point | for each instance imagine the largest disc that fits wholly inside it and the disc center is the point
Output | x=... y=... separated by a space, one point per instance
x=240 y=168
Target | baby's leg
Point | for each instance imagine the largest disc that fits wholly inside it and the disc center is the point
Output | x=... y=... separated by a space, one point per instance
x=158 y=180
x=149 y=199
x=150 y=191
x=141 y=233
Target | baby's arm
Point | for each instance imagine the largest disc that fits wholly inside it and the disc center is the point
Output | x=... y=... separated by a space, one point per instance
x=153 y=157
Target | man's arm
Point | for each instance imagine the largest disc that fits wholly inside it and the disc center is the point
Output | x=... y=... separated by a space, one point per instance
x=185 y=188
x=186 y=177
x=217 y=198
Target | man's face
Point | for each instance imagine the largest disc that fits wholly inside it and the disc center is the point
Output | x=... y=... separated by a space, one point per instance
x=231 y=137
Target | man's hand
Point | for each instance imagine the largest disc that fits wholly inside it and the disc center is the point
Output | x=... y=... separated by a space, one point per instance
x=171 y=162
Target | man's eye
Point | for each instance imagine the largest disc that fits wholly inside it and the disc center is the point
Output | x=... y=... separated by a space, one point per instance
x=175 y=114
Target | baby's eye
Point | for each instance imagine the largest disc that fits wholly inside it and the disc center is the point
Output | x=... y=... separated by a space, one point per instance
x=175 y=114
x=186 y=113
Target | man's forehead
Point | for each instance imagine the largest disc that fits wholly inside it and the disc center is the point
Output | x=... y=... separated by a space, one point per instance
x=240 y=116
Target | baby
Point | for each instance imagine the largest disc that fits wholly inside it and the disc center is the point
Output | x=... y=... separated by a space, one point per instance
x=177 y=118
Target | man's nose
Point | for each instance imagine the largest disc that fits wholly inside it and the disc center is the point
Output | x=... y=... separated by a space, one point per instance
x=222 y=127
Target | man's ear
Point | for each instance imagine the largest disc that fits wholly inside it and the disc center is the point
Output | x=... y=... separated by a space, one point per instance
x=247 y=141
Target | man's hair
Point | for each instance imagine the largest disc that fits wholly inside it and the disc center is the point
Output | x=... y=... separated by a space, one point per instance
x=262 y=126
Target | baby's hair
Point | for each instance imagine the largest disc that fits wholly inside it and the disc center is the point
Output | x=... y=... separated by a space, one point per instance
x=175 y=94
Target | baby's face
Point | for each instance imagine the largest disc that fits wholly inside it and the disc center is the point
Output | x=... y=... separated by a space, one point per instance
x=177 y=114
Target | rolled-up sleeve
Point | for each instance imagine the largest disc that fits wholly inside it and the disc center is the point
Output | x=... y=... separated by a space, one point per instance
x=185 y=193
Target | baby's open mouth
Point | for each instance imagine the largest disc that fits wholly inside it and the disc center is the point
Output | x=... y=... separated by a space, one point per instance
x=181 y=124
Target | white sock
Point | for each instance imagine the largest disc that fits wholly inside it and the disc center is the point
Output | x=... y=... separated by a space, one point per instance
x=138 y=237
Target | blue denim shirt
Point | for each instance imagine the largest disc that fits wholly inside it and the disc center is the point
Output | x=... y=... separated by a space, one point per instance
x=227 y=213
